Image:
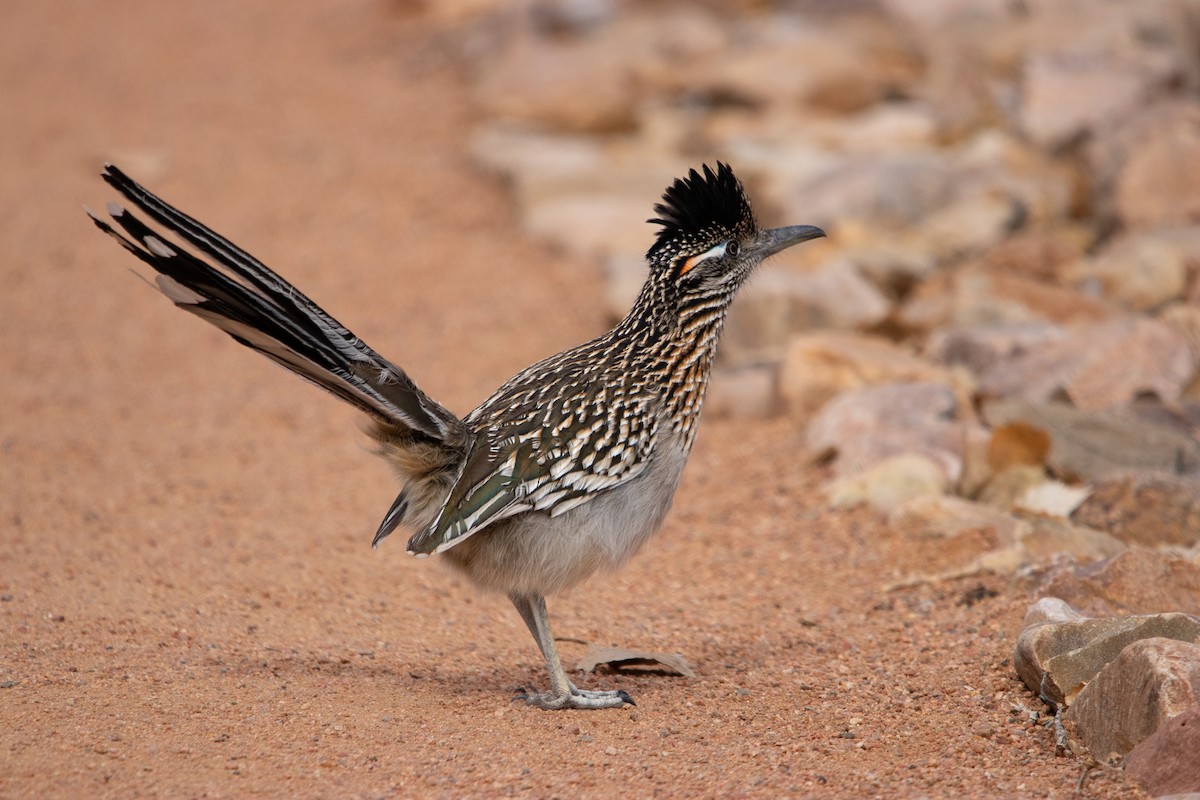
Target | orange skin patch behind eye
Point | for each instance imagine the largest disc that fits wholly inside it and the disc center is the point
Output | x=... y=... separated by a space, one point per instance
x=691 y=262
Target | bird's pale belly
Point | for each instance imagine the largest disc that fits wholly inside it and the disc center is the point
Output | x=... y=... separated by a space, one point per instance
x=534 y=553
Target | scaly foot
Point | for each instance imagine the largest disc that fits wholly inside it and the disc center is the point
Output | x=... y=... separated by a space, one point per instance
x=575 y=698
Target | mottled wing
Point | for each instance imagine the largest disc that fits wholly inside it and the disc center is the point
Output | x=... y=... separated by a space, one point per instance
x=551 y=447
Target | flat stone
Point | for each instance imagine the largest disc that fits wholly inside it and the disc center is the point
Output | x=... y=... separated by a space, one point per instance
x=816 y=366
x=1165 y=763
x=782 y=301
x=1151 y=680
x=1156 y=186
x=978 y=347
x=947 y=516
x=1154 y=358
x=1142 y=272
x=861 y=427
x=743 y=392
x=1049 y=609
x=1067 y=94
x=1137 y=581
x=1056 y=660
x=1088 y=446
x=1145 y=508
x=889 y=483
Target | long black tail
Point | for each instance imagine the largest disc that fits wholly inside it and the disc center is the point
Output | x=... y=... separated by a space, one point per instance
x=264 y=312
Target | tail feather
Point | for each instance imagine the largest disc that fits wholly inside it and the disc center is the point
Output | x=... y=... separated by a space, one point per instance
x=266 y=313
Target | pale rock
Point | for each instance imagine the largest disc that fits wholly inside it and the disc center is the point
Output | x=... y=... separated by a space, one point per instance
x=1005 y=488
x=1020 y=540
x=587 y=224
x=1050 y=538
x=973 y=297
x=944 y=517
x=1164 y=763
x=1141 y=273
x=535 y=161
x=1066 y=94
x=818 y=365
x=1184 y=318
x=893 y=266
x=1039 y=254
x=1056 y=660
x=889 y=483
x=743 y=393
x=1149 y=509
x=1153 y=358
x=968 y=226
x=1087 y=446
x=789 y=62
x=1157 y=185
x=580 y=84
x=780 y=302
x=981 y=346
x=1053 y=499
x=889 y=190
x=1112 y=150
x=861 y=427
x=1049 y=609
x=625 y=273
x=1152 y=680
x=1135 y=581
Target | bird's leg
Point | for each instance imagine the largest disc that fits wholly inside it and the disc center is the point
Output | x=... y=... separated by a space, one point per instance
x=563 y=693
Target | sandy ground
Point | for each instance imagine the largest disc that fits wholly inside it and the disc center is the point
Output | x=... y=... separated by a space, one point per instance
x=188 y=602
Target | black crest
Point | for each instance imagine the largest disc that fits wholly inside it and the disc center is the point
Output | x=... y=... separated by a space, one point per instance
x=700 y=208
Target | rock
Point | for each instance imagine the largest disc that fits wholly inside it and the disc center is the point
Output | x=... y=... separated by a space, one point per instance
x=788 y=62
x=1005 y=488
x=743 y=393
x=625 y=273
x=588 y=224
x=1156 y=187
x=946 y=517
x=979 y=347
x=1067 y=94
x=862 y=427
x=1145 y=508
x=1052 y=498
x=781 y=302
x=1150 y=681
x=969 y=226
x=1019 y=541
x=1136 y=581
x=1056 y=660
x=891 y=482
x=1050 y=538
x=884 y=191
x=1186 y=320
x=818 y=365
x=972 y=297
x=1165 y=762
x=1038 y=255
x=1049 y=609
x=1142 y=273
x=579 y=84
x=1154 y=359
x=1087 y=446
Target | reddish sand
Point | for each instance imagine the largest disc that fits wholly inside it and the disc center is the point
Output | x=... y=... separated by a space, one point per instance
x=188 y=600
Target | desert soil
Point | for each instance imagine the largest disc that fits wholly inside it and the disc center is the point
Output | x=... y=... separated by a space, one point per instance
x=189 y=605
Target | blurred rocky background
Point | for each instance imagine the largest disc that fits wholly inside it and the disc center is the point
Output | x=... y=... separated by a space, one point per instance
x=1001 y=335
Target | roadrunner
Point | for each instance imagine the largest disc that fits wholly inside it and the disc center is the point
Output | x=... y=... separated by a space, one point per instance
x=571 y=465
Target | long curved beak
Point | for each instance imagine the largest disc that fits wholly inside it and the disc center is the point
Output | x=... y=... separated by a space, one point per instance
x=772 y=240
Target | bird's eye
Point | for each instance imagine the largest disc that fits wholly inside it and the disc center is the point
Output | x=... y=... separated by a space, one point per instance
x=732 y=248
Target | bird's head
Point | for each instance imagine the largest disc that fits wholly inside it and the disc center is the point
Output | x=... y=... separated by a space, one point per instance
x=709 y=242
